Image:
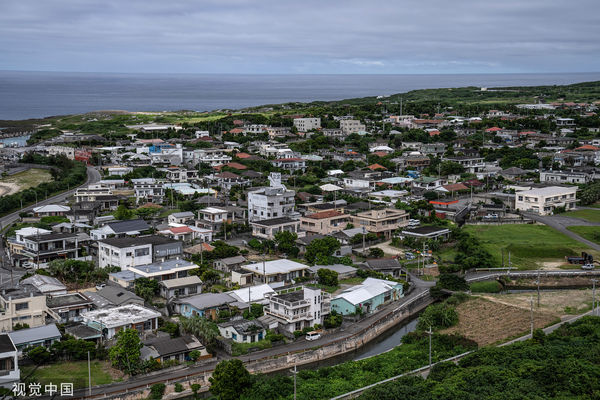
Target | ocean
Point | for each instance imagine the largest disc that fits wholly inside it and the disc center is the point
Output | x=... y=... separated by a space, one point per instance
x=41 y=94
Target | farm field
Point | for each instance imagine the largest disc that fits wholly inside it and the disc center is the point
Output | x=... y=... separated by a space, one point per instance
x=75 y=372
x=559 y=303
x=488 y=322
x=530 y=246
x=24 y=180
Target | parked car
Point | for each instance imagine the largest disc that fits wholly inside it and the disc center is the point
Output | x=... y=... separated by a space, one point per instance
x=409 y=256
x=314 y=335
x=413 y=222
x=587 y=266
x=100 y=286
x=491 y=216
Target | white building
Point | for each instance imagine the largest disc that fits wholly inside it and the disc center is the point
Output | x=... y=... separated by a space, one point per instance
x=276 y=271
x=271 y=202
x=307 y=124
x=544 y=200
x=350 y=126
x=112 y=320
x=299 y=309
x=152 y=192
x=212 y=157
x=562 y=177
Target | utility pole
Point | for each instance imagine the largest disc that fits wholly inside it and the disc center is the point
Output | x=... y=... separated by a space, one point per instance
x=430 y=334
x=531 y=314
x=594 y=296
x=295 y=372
x=538 y=288
x=89 y=376
x=364 y=230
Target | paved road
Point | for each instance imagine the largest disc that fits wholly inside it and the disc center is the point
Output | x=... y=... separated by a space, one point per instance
x=93 y=176
x=488 y=275
x=560 y=223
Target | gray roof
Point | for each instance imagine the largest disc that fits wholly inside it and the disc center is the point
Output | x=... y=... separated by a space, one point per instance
x=133 y=225
x=37 y=334
x=383 y=263
x=208 y=300
x=165 y=346
x=233 y=260
x=45 y=283
x=83 y=331
x=178 y=282
x=125 y=242
x=184 y=214
x=110 y=295
x=243 y=325
x=66 y=300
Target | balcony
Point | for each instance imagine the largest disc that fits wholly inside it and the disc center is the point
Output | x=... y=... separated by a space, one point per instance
x=290 y=317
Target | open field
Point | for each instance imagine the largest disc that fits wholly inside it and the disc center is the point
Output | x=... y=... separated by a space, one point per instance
x=24 y=180
x=488 y=322
x=75 y=372
x=591 y=233
x=588 y=215
x=559 y=303
x=529 y=245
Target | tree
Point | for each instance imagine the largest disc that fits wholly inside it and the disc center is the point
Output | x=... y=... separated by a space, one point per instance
x=38 y=354
x=125 y=354
x=230 y=379
x=327 y=277
x=195 y=388
x=123 y=213
x=321 y=249
x=286 y=242
x=146 y=288
x=157 y=391
x=202 y=328
x=333 y=320
x=376 y=252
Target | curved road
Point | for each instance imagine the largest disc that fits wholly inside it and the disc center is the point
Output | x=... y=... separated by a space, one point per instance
x=93 y=176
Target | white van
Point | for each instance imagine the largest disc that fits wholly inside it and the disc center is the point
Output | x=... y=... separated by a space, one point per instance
x=314 y=335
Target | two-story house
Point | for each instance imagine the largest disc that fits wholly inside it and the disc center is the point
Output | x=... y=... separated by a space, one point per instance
x=299 y=309
x=381 y=222
x=324 y=222
x=543 y=201
x=128 y=252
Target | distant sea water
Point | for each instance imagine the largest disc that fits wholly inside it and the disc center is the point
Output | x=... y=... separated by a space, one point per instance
x=41 y=94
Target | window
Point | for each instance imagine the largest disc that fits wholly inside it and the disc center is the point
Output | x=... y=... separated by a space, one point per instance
x=22 y=306
x=142 y=252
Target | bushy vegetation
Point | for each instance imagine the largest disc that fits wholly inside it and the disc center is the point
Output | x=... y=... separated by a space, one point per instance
x=562 y=365
x=486 y=287
x=67 y=174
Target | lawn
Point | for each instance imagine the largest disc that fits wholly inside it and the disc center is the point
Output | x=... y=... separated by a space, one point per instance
x=73 y=371
x=24 y=180
x=591 y=233
x=588 y=215
x=528 y=244
x=351 y=281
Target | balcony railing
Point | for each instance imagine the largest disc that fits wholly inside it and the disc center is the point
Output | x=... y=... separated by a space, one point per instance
x=290 y=317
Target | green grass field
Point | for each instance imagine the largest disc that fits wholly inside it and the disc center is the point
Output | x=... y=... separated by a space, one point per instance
x=24 y=180
x=588 y=215
x=72 y=371
x=528 y=245
x=591 y=233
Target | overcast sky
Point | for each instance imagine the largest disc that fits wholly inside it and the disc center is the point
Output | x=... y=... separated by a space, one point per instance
x=301 y=36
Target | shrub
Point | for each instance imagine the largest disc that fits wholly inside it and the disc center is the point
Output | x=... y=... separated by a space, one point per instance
x=178 y=387
x=486 y=287
x=157 y=390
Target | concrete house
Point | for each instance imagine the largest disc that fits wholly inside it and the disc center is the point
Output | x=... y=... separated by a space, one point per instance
x=166 y=348
x=228 y=264
x=268 y=228
x=44 y=335
x=543 y=201
x=180 y=287
x=324 y=222
x=243 y=331
x=299 y=309
x=367 y=297
x=9 y=363
x=110 y=321
x=381 y=222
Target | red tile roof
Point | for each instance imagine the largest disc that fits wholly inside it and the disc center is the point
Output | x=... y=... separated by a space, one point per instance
x=235 y=165
x=588 y=147
x=325 y=214
x=373 y=167
x=288 y=159
x=455 y=187
x=181 y=229
x=493 y=129
x=236 y=130
x=243 y=155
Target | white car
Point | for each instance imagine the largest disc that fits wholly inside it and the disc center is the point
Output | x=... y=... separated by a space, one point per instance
x=313 y=335
x=587 y=266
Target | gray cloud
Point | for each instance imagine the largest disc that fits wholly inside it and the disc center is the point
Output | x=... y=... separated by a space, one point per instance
x=327 y=36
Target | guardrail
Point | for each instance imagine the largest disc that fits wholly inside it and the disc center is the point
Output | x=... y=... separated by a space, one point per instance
x=533 y=273
x=359 y=391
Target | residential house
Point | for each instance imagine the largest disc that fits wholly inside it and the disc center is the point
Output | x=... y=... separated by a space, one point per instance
x=180 y=287
x=187 y=233
x=44 y=248
x=307 y=124
x=132 y=227
x=543 y=201
x=228 y=264
x=387 y=266
x=343 y=271
x=268 y=228
x=165 y=348
x=367 y=297
x=271 y=202
x=253 y=294
x=276 y=271
x=16 y=244
x=381 y=222
x=206 y=305
x=44 y=335
x=149 y=192
x=110 y=321
x=50 y=210
x=291 y=164
x=470 y=164
x=180 y=217
x=565 y=177
x=133 y=251
x=96 y=193
x=298 y=309
x=21 y=304
x=242 y=331
x=350 y=126
x=324 y=222
x=67 y=308
x=112 y=296
x=212 y=218
x=47 y=285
